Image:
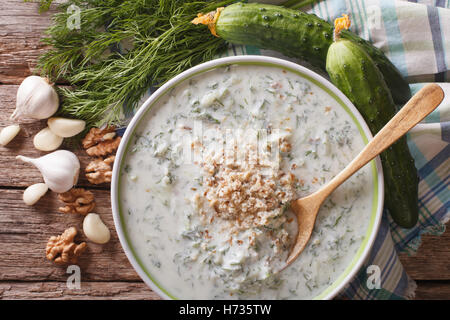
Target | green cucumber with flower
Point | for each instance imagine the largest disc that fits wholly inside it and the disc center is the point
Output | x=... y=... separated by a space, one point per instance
x=295 y=34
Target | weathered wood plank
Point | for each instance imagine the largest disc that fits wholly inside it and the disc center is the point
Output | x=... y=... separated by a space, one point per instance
x=433 y=290
x=432 y=261
x=24 y=233
x=21 y=28
x=88 y=291
x=139 y=291
x=14 y=172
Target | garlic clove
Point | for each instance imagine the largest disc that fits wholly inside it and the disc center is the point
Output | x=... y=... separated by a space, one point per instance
x=60 y=169
x=33 y=193
x=8 y=133
x=36 y=99
x=109 y=136
x=66 y=127
x=95 y=230
x=46 y=140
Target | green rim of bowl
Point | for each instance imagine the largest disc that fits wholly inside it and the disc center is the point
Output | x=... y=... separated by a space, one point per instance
x=373 y=215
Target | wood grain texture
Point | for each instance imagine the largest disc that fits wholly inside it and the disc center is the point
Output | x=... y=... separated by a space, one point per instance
x=426 y=290
x=21 y=28
x=24 y=233
x=88 y=291
x=432 y=261
x=433 y=290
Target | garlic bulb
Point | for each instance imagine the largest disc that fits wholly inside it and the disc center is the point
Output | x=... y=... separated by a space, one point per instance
x=66 y=127
x=33 y=193
x=59 y=169
x=36 y=99
x=46 y=140
x=8 y=133
x=95 y=230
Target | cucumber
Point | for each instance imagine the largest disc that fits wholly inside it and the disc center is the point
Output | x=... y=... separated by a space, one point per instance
x=297 y=34
x=355 y=73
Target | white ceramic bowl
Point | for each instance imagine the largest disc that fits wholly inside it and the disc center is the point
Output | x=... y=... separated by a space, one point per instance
x=378 y=187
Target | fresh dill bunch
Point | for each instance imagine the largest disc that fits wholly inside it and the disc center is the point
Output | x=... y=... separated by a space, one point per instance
x=156 y=40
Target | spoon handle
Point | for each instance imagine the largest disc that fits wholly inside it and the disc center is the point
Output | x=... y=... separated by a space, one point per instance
x=417 y=108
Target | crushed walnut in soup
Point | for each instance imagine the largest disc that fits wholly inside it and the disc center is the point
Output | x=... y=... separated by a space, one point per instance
x=209 y=174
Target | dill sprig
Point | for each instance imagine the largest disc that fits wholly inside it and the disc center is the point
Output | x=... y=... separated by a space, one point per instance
x=107 y=82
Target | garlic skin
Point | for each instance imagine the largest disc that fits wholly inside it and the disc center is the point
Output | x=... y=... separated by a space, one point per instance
x=36 y=99
x=95 y=230
x=8 y=133
x=46 y=140
x=33 y=193
x=66 y=128
x=60 y=169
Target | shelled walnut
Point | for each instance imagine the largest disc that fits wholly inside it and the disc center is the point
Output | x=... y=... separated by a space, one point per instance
x=77 y=200
x=101 y=142
x=62 y=249
x=100 y=170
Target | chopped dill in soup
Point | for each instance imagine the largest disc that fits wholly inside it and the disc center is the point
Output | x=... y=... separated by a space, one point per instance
x=209 y=175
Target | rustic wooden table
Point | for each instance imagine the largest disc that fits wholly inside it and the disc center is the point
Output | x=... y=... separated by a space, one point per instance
x=105 y=270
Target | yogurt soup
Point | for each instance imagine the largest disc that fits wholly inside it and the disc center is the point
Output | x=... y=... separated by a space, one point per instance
x=210 y=171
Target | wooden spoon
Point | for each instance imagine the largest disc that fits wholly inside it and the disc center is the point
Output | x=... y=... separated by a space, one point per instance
x=307 y=208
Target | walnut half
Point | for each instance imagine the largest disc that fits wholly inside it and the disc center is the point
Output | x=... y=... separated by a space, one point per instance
x=100 y=170
x=101 y=142
x=62 y=250
x=77 y=200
